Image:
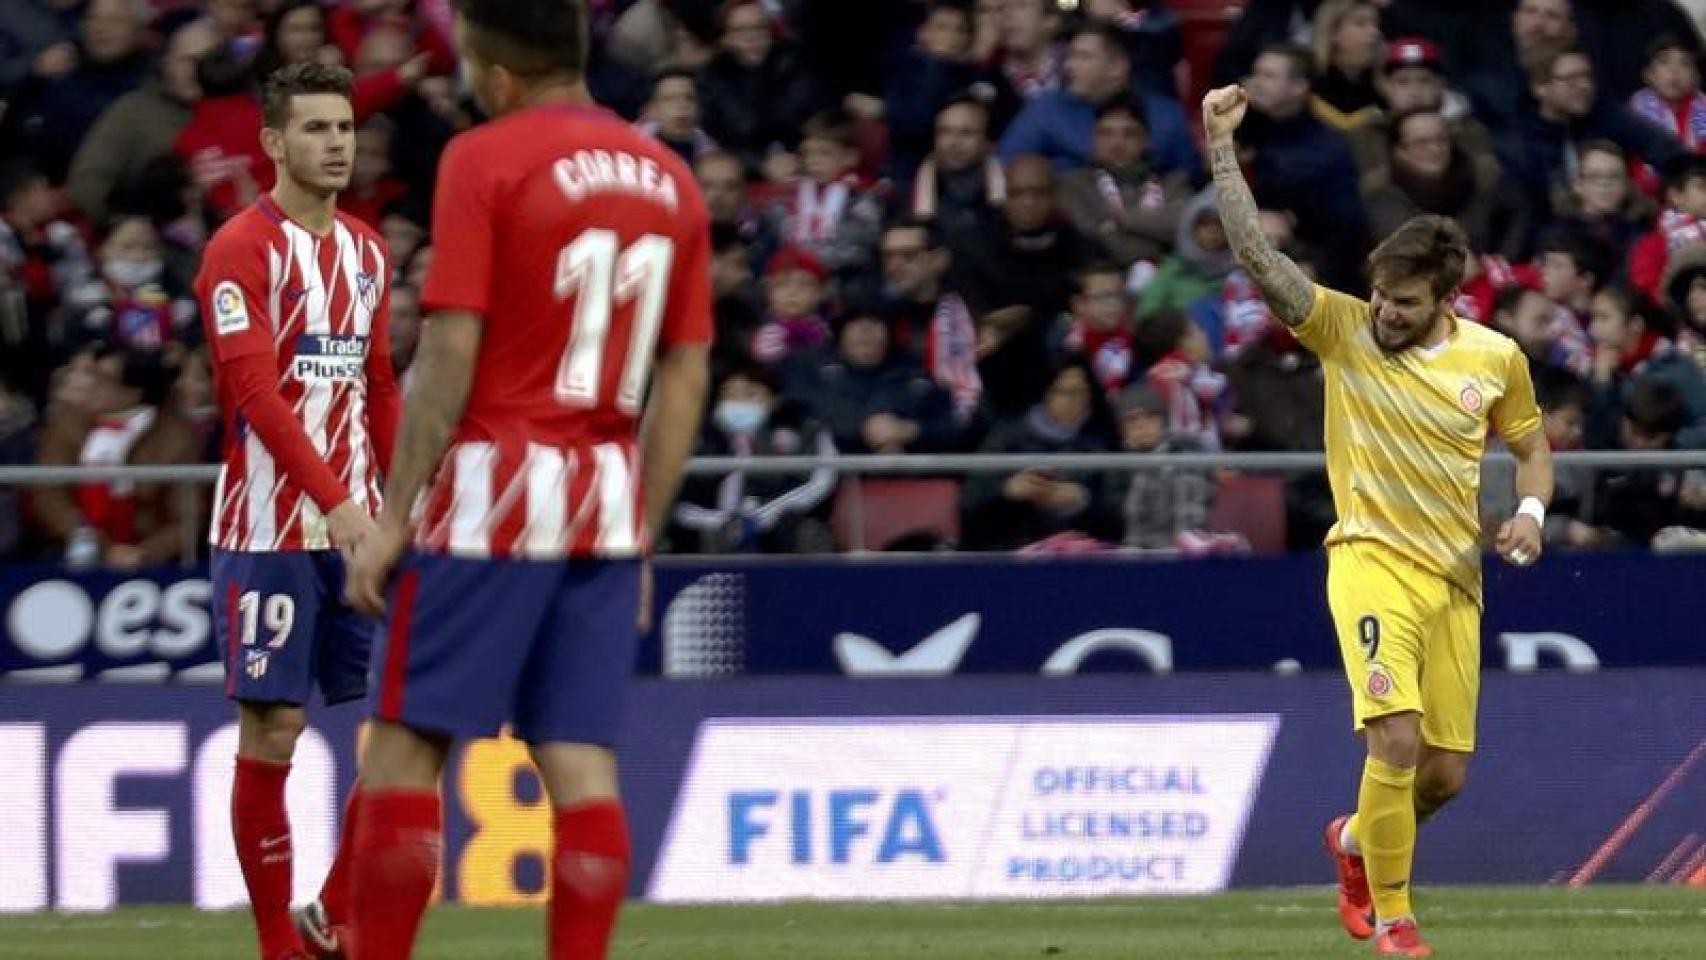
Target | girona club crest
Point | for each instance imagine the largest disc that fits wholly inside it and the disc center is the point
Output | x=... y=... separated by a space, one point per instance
x=1379 y=684
x=1470 y=398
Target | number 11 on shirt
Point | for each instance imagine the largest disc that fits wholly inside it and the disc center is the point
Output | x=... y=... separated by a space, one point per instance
x=601 y=276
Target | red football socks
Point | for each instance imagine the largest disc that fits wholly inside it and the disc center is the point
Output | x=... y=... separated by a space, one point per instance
x=398 y=842
x=335 y=892
x=590 y=879
x=261 y=830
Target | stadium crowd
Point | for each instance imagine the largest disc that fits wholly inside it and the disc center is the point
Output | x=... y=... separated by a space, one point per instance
x=938 y=227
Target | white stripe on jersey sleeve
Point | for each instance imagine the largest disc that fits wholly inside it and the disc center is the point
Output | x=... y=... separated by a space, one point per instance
x=471 y=500
x=617 y=535
x=546 y=470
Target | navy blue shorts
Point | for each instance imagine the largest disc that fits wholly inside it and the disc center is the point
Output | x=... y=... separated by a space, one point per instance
x=545 y=646
x=283 y=627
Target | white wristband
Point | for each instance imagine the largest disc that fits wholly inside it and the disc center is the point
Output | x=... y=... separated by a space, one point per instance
x=1531 y=506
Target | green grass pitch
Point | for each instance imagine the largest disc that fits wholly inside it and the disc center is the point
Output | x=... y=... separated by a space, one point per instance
x=1653 y=923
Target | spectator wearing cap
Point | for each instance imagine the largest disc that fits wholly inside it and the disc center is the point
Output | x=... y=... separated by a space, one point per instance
x=1540 y=153
x=1348 y=49
x=960 y=186
x=1300 y=165
x=795 y=290
x=1413 y=78
x=112 y=408
x=1427 y=173
x=1671 y=99
x=141 y=125
x=1059 y=124
x=1007 y=511
x=757 y=92
x=1158 y=504
x=50 y=114
x=767 y=513
x=1119 y=201
x=873 y=397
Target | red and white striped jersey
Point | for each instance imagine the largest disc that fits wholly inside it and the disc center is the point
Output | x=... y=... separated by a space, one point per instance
x=583 y=245
x=318 y=308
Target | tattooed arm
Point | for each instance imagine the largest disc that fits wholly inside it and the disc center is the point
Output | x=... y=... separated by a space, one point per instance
x=1288 y=291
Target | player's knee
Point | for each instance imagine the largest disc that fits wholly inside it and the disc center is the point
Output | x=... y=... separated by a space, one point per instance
x=1437 y=786
x=271 y=732
x=1395 y=740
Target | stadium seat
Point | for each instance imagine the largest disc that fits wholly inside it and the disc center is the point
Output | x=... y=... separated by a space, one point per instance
x=871 y=514
x=1253 y=506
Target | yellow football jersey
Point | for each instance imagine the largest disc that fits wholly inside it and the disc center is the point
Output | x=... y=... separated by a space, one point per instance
x=1405 y=432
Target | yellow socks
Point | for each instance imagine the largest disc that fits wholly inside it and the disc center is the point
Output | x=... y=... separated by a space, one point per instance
x=1386 y=831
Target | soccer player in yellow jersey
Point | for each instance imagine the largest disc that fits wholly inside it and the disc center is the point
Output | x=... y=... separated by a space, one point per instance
x=1411 y=393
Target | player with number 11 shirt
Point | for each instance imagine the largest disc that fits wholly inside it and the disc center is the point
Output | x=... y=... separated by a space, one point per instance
x=570 y=294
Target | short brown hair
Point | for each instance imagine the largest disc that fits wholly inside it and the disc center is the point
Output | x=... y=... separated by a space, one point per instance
x=1427 y=246
x=297 y=80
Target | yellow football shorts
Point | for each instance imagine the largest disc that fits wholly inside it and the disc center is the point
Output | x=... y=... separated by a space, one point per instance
x=1410 y=639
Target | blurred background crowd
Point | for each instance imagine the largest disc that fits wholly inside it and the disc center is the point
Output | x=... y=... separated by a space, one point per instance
x=943 y=226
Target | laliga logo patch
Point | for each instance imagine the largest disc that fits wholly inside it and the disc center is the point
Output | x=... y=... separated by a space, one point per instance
x=1379 y=684
x=1470 y=398
x=230 y=315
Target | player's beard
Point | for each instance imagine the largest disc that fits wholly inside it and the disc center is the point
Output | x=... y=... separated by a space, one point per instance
x=312 y=178
x=1410 y=338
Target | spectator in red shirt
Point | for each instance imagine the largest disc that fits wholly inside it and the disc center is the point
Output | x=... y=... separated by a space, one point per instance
x=351 y=23
x=219 y=145
x=296 y=32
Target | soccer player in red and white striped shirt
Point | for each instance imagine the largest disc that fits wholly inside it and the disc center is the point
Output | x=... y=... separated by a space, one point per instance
x=573 y=271
x=296 y=303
